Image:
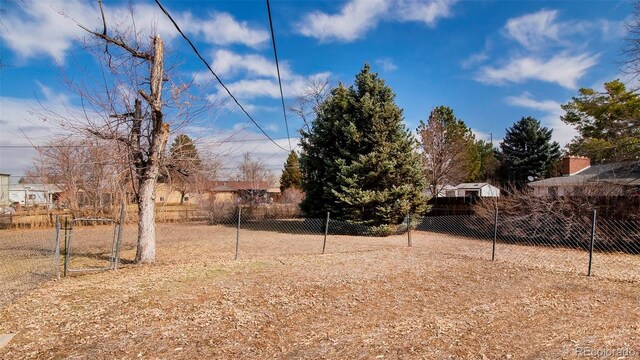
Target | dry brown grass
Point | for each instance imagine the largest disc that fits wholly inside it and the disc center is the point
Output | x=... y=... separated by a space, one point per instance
x=367 y=298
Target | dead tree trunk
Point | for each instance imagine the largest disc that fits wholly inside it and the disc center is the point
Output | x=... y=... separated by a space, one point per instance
x=145 y=142
x=148 y=167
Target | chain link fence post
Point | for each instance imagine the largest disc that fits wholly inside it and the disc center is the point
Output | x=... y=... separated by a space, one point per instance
x=56 y=258
x=326 y=231
x=238 y=232
x=119 y=240
x=409 y=229
x=66 y=245
x=495 y=234
x=593 y=240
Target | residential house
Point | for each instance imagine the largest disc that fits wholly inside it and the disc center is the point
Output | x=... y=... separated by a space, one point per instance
x=580 y=178
x=34 y=194
x=169 y=195
x=244 y=191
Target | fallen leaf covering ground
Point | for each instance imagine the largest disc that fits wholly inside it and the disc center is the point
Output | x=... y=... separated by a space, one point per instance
x=367 y=298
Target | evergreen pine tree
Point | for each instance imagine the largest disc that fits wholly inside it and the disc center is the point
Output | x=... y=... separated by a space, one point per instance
x=359 y=161
x=183 y=155
x=291 y=175
x=608 y=123
x=527 y=150
x=182 y=165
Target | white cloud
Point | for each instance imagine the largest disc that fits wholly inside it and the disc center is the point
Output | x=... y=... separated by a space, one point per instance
x=427 y=12
x=534 y=30
x=542 y=29
x=359 y=16
x=22 y=127
x=386 y=64
x=351 y=23
x=563 y=69
x=39 y=29
x=253 y=88
x=527 y=101
x=474 y=59
x=51 y=96
x=550 y=118
x=50 y=28
x=228 y=63
x=546 y=49
x=222 y=29
x=612 y=30
x=484 y=136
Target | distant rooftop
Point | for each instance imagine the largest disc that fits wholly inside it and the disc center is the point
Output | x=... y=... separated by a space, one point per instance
x=238 y=185
x=35 y=187
x=472 y=185
x=621 y=173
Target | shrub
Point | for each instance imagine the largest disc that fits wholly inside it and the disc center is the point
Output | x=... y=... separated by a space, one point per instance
x=220 y=212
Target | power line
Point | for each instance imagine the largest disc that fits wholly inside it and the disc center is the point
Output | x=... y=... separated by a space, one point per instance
x=214 y=74
x=275 y=54
x=203 y=141
x=41 y=146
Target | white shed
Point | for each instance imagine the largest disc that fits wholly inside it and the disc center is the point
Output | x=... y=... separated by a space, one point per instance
x=443 y=191
x=477 y=189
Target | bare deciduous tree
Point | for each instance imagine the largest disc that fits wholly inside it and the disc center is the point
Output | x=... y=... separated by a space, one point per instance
x=253 y=171
x=91 y=176
x=631 y=49
x=444 y=152
x=123 y=105
x=308 y=101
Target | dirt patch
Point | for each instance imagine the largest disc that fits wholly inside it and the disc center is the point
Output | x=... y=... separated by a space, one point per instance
x=367 y=298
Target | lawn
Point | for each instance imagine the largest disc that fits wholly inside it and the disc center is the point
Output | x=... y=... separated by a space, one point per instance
x=366 y=298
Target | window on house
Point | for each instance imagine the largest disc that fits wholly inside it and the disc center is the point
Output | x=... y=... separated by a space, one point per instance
x=186 y=198
x=161 y=198
x=32 y=196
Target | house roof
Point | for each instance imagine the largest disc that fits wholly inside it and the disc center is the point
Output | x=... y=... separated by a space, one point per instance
x=621 y=173
x=223 y=186
x=472 y=185
x=52 y=188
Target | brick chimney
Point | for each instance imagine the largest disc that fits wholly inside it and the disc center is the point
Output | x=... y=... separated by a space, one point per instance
x=574 y=164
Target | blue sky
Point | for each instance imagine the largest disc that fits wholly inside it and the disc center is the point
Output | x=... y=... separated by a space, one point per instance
x=491 y=61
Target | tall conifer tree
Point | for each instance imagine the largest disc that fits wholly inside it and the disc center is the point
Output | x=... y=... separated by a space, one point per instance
x=527 y=150
x=359 y=161
x=291 y=175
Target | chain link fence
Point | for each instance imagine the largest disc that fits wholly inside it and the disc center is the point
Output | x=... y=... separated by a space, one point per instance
x=27 y=259
x=604 y=247
x=608 y=248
